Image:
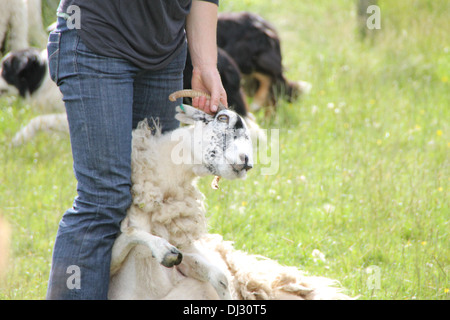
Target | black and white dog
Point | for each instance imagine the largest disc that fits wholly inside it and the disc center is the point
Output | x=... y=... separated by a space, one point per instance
x=25 y=73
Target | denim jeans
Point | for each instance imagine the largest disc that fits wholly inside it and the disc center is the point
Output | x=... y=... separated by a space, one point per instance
x=105 y=98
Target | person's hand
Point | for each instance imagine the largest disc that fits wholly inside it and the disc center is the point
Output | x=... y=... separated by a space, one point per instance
x=207 y=79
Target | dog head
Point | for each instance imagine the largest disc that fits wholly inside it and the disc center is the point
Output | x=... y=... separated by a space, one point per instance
x=22 y=72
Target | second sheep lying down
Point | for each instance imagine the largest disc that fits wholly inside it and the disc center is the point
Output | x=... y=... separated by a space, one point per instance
x=164 y=250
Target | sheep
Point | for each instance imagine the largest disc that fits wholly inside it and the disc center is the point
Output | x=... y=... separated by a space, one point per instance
x=164 y=250
x=54 y=122
x=167 y=213
x=255 y=277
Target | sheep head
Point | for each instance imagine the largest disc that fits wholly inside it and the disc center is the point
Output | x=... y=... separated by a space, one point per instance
x=221 y=143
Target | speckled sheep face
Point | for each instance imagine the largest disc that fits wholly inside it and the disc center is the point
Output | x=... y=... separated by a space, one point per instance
x=221 y=144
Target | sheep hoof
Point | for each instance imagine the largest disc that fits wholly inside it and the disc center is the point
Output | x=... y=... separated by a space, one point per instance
x=172 y=258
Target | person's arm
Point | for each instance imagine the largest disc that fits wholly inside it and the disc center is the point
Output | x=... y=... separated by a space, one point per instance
x=201 y=28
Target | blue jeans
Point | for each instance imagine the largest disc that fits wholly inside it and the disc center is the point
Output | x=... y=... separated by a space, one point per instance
x=105 y=98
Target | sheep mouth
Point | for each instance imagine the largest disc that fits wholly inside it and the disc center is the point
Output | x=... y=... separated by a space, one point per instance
x=238 y=168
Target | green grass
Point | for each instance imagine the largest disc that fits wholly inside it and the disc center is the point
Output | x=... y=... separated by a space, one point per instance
x=364 y=159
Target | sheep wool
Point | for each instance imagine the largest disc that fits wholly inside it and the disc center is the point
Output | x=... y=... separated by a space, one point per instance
x=255 y=277
x=164 y=195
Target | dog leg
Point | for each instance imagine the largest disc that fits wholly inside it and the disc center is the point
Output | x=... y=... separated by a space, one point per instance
x=197 y=267
x=161 y=249
x=260 y=97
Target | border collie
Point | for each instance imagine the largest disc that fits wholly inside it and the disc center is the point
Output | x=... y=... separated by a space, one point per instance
x=25 y=73
x=255 y=46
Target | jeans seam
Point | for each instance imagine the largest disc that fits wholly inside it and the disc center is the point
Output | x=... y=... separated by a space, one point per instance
x=86 y=132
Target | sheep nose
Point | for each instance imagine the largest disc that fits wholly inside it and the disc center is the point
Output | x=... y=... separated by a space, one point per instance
x=244 y=159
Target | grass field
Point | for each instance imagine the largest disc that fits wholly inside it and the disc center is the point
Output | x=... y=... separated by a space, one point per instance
x=364 y=158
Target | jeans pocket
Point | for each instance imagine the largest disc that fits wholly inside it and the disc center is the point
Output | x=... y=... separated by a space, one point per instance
x=53 y=55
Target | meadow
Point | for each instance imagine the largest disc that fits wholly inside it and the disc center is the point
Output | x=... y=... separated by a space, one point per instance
x=363 y=172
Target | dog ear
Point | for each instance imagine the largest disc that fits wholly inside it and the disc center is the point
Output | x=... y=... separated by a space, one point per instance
x=189 y=115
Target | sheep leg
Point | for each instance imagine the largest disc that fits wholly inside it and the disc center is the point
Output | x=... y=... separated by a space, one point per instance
x=197 y=267
x=161 y=249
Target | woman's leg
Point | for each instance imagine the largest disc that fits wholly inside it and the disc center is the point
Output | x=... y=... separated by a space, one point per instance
x=152 y=90
x=98 y=94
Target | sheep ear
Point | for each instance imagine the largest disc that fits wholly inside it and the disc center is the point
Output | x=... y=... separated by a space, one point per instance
x=189 y=115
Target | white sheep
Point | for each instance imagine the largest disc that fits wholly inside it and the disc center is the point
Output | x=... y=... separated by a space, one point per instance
x=164 y=250
x=167 y=214
x=53 y=122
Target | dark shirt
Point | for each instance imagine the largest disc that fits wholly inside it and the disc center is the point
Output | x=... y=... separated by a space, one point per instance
x=149 y=33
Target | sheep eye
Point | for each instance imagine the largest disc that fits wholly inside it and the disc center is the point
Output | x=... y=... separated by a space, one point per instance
x=223 y=118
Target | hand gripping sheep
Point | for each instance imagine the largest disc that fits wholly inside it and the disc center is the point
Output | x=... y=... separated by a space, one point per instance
x=164 y=250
